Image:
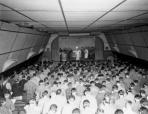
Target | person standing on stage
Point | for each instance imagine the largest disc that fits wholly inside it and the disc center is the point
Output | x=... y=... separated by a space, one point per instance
x=77 y=53
x=86 y=54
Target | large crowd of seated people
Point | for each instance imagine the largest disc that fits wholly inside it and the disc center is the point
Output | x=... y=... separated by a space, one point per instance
x=78 y=88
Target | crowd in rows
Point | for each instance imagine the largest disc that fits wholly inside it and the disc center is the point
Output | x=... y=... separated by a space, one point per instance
x=80 y=88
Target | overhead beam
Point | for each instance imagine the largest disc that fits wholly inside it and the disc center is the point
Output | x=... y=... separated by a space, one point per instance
x=24 y=15
x=103 y=15
x=62 y=10
x=131 y=18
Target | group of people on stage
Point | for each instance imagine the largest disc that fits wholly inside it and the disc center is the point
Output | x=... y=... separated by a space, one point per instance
x=77 y=54
x=81 y=88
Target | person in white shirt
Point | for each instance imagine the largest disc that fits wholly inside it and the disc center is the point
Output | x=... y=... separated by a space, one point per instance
x=106 y=107
x=86 y=108
x=119 y=111
x=67 y=109
x=60 y=100
x=86 y=53
x=120 y=103
x=94 y=89
x=32 y=108
x=91 y=99
x=128 y=108
x=129 y=96
x=40 y=89
x=136 y=104
x=53 y=109
x=77 y=98
x=77 y=53
x=76 y=111
x=43 y=103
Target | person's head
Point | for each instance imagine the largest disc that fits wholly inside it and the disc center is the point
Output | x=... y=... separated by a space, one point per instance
x=114 y=88
x=55 y=84
x=87 y=92
x=86 y=103
x=92 y=83
x=58 y=92
x=2 y=102
x=53 y=108
x=142 y=93
x=128 y=104
x=73 y=91
x=145 y=85
x=132 y=85
x=41 y=82
x=76 y=111
x=121 y=93
x=8 y=86
x=136 y=82
x=46 y=79
x=121 y=79
x=103 y=87
x=108 y=79
x=45 y=93
x=119 y=111
x=107 y=98
x=137 y=97
x=127 y=76
x=103 y=82
x=118 y=83
x=69 y=84
x=113 y=77
x=7 y=95
x=71 y=99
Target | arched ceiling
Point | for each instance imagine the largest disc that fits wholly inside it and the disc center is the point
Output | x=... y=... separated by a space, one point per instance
x=74 y=15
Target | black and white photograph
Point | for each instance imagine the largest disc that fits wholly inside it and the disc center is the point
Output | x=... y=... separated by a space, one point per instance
x=73 y=56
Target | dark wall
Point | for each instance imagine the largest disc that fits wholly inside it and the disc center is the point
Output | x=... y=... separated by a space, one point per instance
x=55 y=50
x=135 y=61
x=20 y=66
x=99 y=49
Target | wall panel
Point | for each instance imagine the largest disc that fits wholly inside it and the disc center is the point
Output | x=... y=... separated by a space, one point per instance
x=35 y=38
x=119 y=39
x=137 y=39
x=29 y=41
x=145 y=37
x=133 y=42
x=142 y=52
x=39 y=41
x=19 y=41
x=127 y=39
x=36 y=49
x=3 y=58
x=55 y=50
x=108 y=36
x=16 y=43
x=6 y=41
x=23 y=55
x=99 y=49
x=9 y=27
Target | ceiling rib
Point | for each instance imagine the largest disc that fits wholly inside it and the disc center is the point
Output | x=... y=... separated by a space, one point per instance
x=61 y=7
x=131 y=18
x=24 y=15
x=104 y=15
